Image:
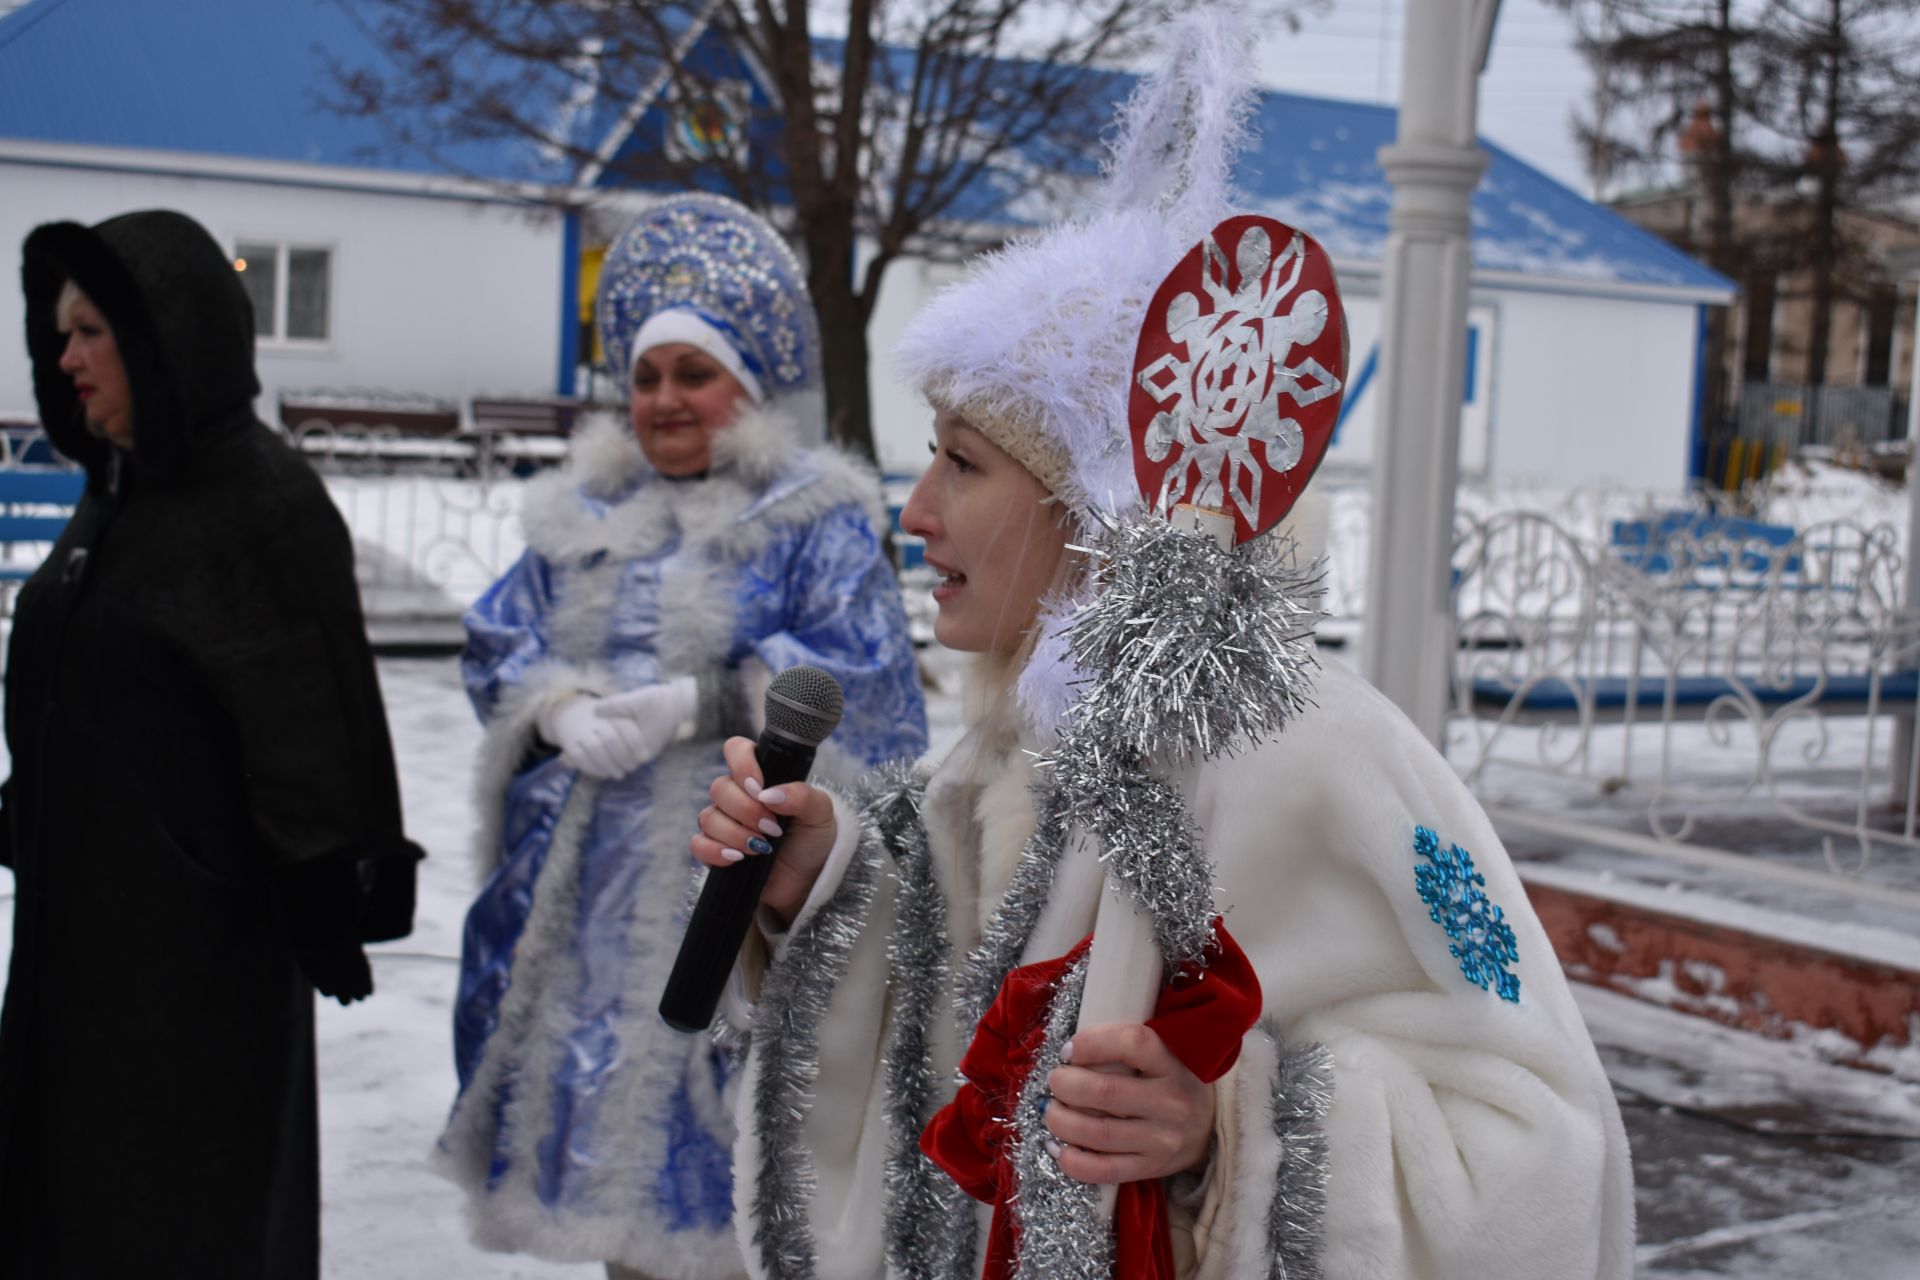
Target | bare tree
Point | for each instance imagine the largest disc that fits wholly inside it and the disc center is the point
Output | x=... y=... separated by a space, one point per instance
x=1685 y=77
x=1809 y=107
x=1847 y=117
x=907 y=129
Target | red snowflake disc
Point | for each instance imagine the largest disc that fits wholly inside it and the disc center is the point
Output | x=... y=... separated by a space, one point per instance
x=1239 y=375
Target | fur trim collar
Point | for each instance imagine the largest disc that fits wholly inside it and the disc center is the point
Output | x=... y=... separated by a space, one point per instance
x=605 y=460
x=591 y=508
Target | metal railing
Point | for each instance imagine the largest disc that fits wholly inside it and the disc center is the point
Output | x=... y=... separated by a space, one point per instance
x=1728 y=680
x=1792 y=415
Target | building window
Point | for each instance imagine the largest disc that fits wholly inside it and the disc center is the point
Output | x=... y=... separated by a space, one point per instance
x=1882 y=309
x=291 y=287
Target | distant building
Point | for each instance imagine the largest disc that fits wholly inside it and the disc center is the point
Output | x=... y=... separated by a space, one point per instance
x=1870 y=348
x=379 y=271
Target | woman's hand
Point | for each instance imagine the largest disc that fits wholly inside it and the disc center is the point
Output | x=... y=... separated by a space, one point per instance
x=742 y=817
x=1126 y=1109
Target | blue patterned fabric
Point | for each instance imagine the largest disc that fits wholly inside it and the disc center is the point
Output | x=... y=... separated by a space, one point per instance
x=813 y=586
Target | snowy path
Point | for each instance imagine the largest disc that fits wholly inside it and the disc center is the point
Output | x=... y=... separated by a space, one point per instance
x=1728 y=1186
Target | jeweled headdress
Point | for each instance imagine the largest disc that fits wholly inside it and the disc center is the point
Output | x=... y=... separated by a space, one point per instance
x=717 y=260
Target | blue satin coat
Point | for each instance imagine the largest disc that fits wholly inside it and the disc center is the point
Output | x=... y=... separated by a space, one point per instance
x=805 y=581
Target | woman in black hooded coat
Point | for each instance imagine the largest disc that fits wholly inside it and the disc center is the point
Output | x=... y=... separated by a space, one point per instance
x=203 y=819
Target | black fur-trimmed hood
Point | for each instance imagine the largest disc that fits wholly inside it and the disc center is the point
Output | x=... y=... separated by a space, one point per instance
x=180 y=317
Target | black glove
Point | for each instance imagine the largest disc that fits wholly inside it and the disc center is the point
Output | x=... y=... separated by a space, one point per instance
x=337 y=969
x=321 y=903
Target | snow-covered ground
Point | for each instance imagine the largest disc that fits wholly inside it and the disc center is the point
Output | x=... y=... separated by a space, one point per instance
x=1731 y=1183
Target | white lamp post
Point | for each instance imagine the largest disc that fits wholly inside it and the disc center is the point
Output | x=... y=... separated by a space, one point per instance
x=1434 y=166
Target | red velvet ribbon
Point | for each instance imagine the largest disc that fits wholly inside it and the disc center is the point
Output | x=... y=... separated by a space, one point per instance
x=1201 y=1016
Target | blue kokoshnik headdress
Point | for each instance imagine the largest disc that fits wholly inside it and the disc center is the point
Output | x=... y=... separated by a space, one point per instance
x=724 y=266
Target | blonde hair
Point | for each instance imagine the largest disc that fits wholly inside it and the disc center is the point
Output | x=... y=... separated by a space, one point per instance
x=990 y=708
x=63 y=306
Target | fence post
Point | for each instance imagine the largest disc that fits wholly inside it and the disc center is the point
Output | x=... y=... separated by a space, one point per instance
x=1907 y=651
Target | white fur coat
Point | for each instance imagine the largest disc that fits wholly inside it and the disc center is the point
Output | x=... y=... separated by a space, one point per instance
x=1467 y=1136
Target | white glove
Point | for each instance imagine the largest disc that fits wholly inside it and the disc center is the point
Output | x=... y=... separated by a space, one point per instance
x=611 y=737
x=661 y=714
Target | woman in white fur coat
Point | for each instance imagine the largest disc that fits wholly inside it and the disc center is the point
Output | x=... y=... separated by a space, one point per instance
x=675 y=564
x=1411 y=1105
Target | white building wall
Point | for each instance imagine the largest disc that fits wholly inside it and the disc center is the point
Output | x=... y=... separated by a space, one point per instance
x=1593 y=390
x=1352 y=452
x=430 y=296
x=902 y=421
x=1564 y=389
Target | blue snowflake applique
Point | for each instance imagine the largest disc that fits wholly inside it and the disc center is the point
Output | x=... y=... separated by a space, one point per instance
x=1482 y=940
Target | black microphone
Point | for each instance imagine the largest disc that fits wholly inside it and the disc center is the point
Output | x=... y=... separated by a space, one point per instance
x=803 y=706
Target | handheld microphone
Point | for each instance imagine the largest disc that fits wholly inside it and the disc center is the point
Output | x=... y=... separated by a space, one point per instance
x=803 y=706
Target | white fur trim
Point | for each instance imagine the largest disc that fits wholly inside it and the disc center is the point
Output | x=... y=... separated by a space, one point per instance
x=846 y=842
x=465 y=1150
x=514 y=732
x=1257 y=1171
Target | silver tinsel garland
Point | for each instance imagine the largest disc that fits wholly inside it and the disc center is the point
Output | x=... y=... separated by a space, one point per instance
x=1062 y=1233
x=1196 y=649
x=1149 y=841
x=794 y=995
x=1302 y=1093
x=930 y=1222
x=1004 y=938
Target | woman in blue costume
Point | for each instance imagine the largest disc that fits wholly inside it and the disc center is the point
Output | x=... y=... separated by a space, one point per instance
x=673 y=566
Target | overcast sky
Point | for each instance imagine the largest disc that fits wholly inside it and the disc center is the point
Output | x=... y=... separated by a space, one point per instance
x=1534 y=79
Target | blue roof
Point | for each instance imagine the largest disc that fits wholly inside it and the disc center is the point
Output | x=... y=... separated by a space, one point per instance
x=1317 y=168
x=244 y=78
x=250 y=79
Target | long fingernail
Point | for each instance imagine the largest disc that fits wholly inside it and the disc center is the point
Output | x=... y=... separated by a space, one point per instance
x=733 y=855
x=773 y=795
x=751 y=786
x=1045 y=1100
x=771 y=827
x=1066 y=1053
x=758 y=845
x=1053 y=1149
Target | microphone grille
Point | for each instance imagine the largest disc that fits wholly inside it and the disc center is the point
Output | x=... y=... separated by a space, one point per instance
x=804 y=703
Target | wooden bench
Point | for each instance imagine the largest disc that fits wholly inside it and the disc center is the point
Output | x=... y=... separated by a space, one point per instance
x=530 y=416
x=35 y=505
x=1654 y=545
x=376 y=431
x=1553 y=699
x=24 y=444
x=521 y=434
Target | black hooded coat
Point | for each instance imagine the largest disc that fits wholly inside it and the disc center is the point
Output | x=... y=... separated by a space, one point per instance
x=203 y=819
